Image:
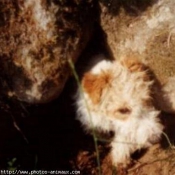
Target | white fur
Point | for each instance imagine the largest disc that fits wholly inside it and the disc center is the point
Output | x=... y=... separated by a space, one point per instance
x=100 y=66
x=138 y=129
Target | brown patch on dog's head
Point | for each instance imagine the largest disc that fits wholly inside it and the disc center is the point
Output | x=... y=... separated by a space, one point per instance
x=94 y=85
x=133 y=64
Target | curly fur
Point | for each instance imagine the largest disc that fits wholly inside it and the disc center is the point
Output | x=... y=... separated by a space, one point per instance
x=117 y=97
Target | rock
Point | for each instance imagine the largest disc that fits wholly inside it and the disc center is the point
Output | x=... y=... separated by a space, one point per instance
x=145 y=29
x=37 y=38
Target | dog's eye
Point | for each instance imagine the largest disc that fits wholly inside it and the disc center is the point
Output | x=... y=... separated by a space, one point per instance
x=124 y=110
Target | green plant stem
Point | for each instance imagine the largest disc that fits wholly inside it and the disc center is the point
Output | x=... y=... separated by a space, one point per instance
x=93 y=130
x=168 y=140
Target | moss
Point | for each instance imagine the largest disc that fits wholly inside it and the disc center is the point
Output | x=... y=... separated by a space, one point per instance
x=160 y=55
x=149 y=35
x=38 y=37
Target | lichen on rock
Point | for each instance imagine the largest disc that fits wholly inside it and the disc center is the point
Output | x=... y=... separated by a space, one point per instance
x=37 y=39
x=145 y=29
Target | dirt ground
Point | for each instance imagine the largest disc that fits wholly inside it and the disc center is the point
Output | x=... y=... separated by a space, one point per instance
x=48 y=137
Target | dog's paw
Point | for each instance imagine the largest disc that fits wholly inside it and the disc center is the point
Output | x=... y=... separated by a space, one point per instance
x=122 y=168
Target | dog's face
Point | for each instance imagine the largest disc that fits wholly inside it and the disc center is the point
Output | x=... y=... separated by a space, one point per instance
x=121 y=92
x=118 y=97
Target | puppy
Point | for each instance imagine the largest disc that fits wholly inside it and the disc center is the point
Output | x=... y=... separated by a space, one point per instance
x=116 y=96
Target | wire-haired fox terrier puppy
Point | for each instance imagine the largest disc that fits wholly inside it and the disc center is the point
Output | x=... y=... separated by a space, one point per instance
x=116 y=96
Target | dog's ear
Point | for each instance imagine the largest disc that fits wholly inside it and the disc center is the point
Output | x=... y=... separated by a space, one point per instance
x=94 y=84
x=133 y=64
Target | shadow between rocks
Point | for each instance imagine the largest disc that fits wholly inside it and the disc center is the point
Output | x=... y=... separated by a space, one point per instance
x=132 y=7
